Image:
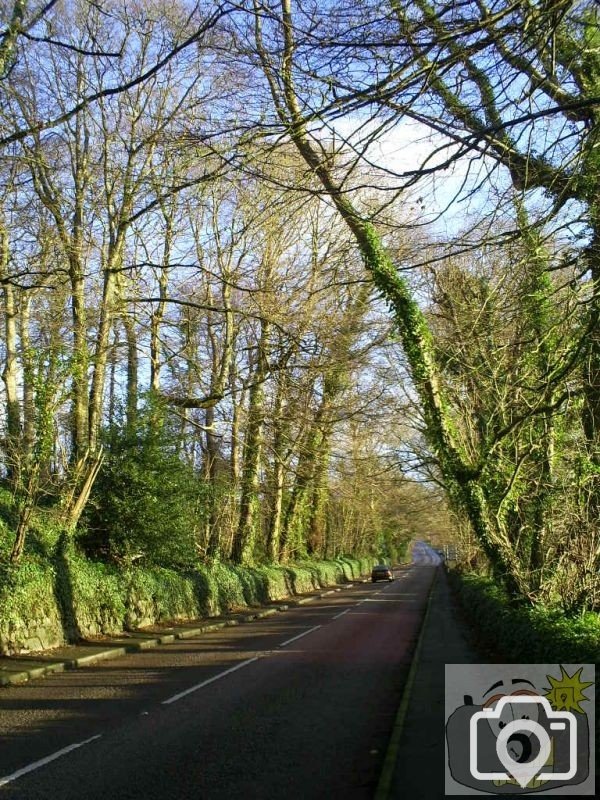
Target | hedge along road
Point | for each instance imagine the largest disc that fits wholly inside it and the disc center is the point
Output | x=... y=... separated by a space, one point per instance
x=300 y=705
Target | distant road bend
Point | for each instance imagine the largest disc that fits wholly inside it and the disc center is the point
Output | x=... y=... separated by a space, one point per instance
x=297 y=706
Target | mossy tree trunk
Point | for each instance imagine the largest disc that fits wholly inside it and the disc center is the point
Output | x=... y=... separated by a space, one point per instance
x=11 y=369
x=280 y=448
x=460 y=477
x=249 y=519
x=222 y=349
x=316 y=534
x=551 y=51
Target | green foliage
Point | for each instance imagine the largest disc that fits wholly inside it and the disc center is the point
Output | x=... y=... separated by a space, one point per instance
x=45 y=528
x=30 y=617
x=73 y=596
x=7 y=520
x=255 y=585
x=524 y=633
x=158 y=594
x=146 y=503
x=93 y=594
x=392 y=545
x=227 y=586
x=26 y=590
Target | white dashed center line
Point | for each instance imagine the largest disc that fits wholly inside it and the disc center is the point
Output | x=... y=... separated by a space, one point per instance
x=43 y=761
x=299 y=636
x=341 y=614
x=209 y=680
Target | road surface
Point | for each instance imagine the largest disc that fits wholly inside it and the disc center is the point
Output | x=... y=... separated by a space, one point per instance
x=296 y=706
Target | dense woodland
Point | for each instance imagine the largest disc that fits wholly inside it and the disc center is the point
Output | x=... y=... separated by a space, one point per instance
x=282 y=279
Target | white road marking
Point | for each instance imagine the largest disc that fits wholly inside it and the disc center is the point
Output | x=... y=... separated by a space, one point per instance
x=43 y=761
x=299 y=636
x=385 y=600
x=59 y=753
x=210 y=680
x=341 y=614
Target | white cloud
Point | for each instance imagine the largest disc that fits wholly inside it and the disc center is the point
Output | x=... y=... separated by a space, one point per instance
x=397 y=153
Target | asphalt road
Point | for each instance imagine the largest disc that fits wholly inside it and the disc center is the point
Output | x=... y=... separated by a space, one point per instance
x=299 y=705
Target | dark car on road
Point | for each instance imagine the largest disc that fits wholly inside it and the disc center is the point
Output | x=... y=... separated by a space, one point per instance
x=382 y=572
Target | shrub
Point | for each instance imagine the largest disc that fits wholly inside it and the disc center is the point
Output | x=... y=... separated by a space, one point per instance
x=524 y=633
x=146 y=503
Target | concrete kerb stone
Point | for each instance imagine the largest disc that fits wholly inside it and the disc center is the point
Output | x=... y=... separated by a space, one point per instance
x=31 y=674
x=146 y=644
x=302 y=601
x=103 y=655
x=22 y=676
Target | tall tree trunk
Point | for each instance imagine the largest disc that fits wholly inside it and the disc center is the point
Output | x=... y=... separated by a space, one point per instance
x=10 y=35
x=245 y=537
x=277 y=478
x=316 y=535
x=74 y=244
x=10 y=371
x=101 y=354
x=28 y=377
x=591 y=408
x=297 y=511
x=132 y=370
x=79 y=433
x=211 y=453
x=459 y=476
x=158 y=312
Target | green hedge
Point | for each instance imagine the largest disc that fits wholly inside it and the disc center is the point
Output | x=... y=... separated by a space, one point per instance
x=76 y=597
x=524 y=633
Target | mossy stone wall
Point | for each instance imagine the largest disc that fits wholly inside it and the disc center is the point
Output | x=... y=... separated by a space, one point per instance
x=45 y=605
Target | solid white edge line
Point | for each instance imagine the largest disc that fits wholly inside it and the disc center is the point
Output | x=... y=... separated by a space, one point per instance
x=341 y=614
x=43 y=761
x=210 y=680
x=299 y=636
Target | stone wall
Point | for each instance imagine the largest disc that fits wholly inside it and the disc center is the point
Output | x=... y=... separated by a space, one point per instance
x=44 y=606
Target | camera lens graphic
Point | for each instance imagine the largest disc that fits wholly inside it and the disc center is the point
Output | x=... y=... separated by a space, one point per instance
x=523 y=772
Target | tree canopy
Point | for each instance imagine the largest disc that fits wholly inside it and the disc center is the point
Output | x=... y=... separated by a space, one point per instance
x=339 y=261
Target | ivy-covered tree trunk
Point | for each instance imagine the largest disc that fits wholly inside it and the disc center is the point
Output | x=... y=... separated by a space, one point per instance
x=132 y=370
x=249 y=520
x=222 y=354
x=295 y=514
x=278 y=470
x=74 y=243
x=8 y=43
x=10 y=370
x=158 y=311
x=552 y=51
x=460 y=477
x=101 y=357
x=80 y=361
x=316 y=535
x=540 y=326
x=591 y=408
x=28 y=375
x=299 y=511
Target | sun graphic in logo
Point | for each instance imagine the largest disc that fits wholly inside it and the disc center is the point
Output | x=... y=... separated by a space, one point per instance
x=567 y=691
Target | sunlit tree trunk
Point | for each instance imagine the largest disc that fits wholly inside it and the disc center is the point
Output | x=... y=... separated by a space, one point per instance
x=459 y=476
x=280 y=448
x=28 y=375
x=11 y=370
x=249 y=520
